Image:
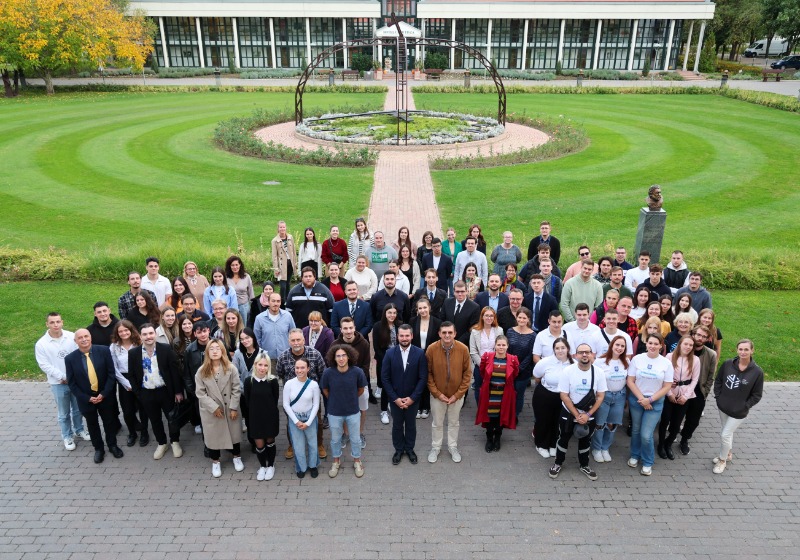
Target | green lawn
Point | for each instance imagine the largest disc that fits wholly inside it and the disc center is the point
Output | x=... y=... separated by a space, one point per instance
x=728 y=171
x=114 y=174
x=769 y=318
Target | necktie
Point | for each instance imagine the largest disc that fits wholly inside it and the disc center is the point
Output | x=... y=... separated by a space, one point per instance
x=536 y=308
x=458 y=308
x=93 y=383
x=430 y=296
x=352 y=308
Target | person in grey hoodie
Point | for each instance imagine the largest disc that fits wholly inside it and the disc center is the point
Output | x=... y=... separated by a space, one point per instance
x=701 y=298
x=738 y=387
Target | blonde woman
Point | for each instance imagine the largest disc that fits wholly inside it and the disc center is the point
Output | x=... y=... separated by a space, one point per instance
x=218 y=393
x=263 y=422
x=196 y=281
x=284 y=258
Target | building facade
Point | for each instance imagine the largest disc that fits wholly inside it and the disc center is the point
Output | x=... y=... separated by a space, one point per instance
x=514 y=34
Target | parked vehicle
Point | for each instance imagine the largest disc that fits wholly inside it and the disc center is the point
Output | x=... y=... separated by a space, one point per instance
x=778 y=47
x=791 y=61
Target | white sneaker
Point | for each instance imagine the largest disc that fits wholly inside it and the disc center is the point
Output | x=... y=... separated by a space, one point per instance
x=455 y=454
x=424 y=414
x=543 y=452
x=262 y=472
x=198 y=429
x=606 y=456
x=633 y=463
x=244 y=427
x=598 y=456
x=419 y=414
x=384 y=417
x=433 y=455
x=646 y=471
x=552 y=451
x=269 y=473
x=177 y=450
x=161 y=450
x=216 y=470
x=69 y=444
x=378 y=392
x=84 y=435
x=237 y=464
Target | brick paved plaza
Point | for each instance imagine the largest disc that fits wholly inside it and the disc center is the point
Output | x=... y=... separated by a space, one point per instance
x=59 y=504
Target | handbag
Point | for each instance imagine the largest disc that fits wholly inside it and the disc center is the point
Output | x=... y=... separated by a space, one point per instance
x=334 y=256
x=589 y=398
x=180 y=415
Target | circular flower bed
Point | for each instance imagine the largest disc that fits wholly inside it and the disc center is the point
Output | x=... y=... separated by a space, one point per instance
x=424 y=127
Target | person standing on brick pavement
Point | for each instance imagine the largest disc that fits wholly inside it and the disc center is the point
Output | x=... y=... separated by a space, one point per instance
x=497 y=402
x=701 y=334
x=260 y=390
x=582 y=388
x=50 y=352
x=687 y=374
x=546 y=400
x=92 y=380
x=349 y=336
x=449 y=376
x=125 y=337
x=301 y=402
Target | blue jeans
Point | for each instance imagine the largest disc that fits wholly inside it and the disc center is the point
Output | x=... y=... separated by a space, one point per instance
x=644 y=424
x=336 y=424
x=610 y=412
x=244 y=311
x=69 y=415
x=304 y=443
x=477 y=381
x=519 y=386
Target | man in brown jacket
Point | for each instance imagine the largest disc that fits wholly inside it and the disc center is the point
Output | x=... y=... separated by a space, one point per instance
x=449 y=376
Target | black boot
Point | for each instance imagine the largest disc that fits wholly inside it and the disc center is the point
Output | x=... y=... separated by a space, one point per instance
x=685 y=446
x=497 y=435
x=661 y=452
x=668 y=448
x=144 y=439
x=489 y=442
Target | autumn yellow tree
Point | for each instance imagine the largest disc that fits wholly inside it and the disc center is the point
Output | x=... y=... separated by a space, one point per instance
x=44 y=36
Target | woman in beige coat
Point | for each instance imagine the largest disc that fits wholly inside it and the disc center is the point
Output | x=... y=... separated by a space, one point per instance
x=284 y=258
x=218 y=391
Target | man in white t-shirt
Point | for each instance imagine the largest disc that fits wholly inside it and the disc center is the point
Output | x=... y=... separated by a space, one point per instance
x=582 y=331
x=543 y=345
x=156 y=283
x=577 y=415
x=636 y=276
x=610 y=331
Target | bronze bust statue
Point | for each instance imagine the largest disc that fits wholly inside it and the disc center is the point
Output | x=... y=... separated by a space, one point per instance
x=654 y=200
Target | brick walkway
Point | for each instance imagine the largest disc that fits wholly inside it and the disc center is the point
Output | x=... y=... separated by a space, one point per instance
x=57 y=504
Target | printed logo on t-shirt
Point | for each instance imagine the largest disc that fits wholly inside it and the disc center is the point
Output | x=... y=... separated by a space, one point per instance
x=732 y=382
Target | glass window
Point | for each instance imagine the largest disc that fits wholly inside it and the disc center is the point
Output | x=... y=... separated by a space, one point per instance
x=254 y=42
x=217 y=41
x=507 y=41
x=290 y=41
x=579 y=43
x=543 y=43
x=676 y=45
x=439 y=28
x=405 y=10
x=472 y=32
x=181 y=36
x=360 y=28
x=158 y=47
x=326 y=32
x=615 y=44
x=651 y=43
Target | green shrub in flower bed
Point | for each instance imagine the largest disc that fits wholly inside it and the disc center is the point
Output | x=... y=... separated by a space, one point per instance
x=263 y=73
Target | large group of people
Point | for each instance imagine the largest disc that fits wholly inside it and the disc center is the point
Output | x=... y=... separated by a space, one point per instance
x=436 y=319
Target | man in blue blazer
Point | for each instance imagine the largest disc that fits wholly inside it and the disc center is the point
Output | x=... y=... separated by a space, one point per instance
x=441 y=263
x=493 y=297
x=362 y=314
x=546 y=303
x=91 y=378
x=404 y=374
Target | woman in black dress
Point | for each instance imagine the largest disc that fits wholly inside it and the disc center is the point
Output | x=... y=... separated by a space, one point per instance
x=261 y=392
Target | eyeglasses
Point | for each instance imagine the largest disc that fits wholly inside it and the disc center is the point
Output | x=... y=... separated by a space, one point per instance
x=584 y=254
x=583 y=352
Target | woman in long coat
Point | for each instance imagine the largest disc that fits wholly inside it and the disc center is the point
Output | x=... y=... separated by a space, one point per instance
x=218 y=392
x=497 y=398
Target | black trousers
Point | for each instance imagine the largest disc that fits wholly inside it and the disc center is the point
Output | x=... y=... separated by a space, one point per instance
x=425 y=399
x=156 y=402
x=671 y=417
x=493 y=428
x=404 y=427
x=107 y=412
x=694 y=410
x=133 y=412
x=547 y=410
x=214 y=454
x=566 y=425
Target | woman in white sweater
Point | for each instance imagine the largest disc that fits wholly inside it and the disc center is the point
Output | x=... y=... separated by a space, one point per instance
x=301 y=403
x=360 y=240
x=363 y=276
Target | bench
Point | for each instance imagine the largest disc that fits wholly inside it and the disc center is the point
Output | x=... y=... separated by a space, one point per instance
x=766 y=73
x=323 y=73
x=433 y=74
x=350 y=74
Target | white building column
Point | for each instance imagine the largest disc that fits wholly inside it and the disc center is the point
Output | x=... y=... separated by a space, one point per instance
x=379 y=46
x=525 y=45
x=164 y=48
x=633 y=44
x=344 y=40
x=236 y=43
x=560 y=56
x=200 y=43
x=699 y=46
x=421 y=49
x=669 y=44
x=272 y=43
x=452 y=49
x=308 y=41
x=688 y=46
x=597 y=44
x=489 y=41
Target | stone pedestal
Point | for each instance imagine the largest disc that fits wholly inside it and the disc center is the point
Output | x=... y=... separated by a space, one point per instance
x=650 y=233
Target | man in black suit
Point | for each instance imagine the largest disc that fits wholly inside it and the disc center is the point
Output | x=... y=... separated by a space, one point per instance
x=461 y=311
x=157 y=383
x=441 y=263
x=405 y=375
x=540 y=302
x=91 y=378
x=493 y=297
x=352 y=306
x=432 y=292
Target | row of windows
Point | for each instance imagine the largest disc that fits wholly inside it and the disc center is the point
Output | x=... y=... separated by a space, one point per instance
x=509 y=45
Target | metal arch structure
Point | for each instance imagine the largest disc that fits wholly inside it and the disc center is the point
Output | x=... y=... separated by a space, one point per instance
x=425 y=41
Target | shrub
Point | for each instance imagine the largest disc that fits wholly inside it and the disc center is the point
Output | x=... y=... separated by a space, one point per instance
x=646 y=69
x=361 y=62
x=436 y=61
x=260 y=74
x=559 y=68
x=796 y=76
x=708 y=56
x=736 y=67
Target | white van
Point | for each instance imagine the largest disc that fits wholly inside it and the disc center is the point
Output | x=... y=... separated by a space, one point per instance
x=777 y=47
